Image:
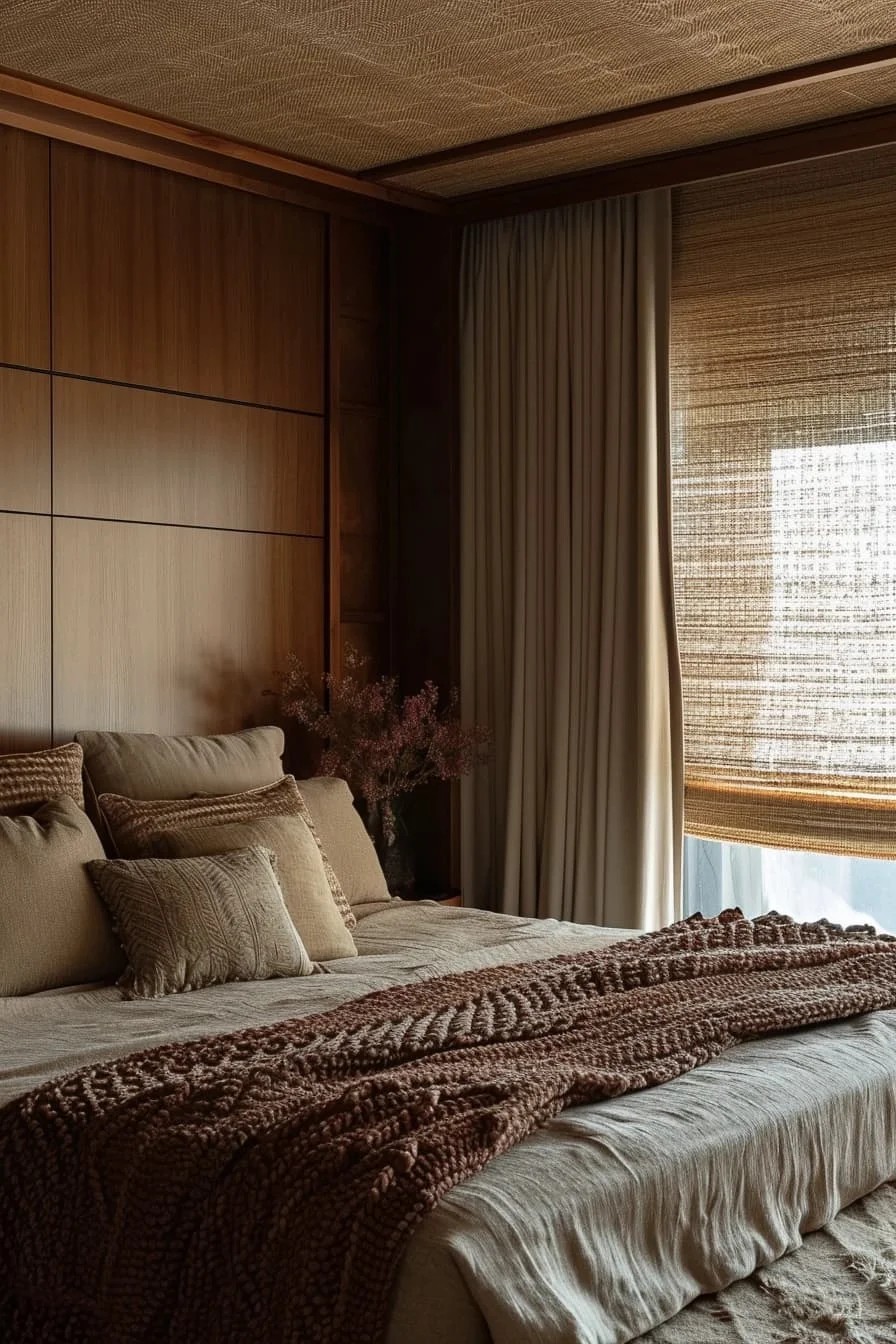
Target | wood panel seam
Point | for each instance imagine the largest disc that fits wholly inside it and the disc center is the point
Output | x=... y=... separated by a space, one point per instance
x=163 y=391
x=52 y=459
x=189 y=527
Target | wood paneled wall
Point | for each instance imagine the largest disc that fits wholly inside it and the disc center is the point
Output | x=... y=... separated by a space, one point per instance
x=187 y=373
x=227 y=431
x=363 y=515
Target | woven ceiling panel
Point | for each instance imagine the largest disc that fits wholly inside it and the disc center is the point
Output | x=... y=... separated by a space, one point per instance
x=355 y=83
x=661 y=134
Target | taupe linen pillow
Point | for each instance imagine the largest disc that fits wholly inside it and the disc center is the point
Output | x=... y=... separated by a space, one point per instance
x=144 y=765
x=344 y=840
x=189 y=923
x=53 y=929
x=136 y=824
x=31 y=778
x=300 y=870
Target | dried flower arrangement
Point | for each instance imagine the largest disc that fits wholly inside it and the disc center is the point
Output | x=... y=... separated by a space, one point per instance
x=384 y=745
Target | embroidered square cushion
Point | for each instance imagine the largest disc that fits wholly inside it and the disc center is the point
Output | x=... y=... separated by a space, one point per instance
x=190 y=923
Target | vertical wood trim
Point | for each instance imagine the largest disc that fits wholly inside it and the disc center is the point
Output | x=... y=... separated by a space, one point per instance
x=24 y=250
x=393 y=454
x=333 y=510
x=427 y=617
x=51 y=350
x=453 y=413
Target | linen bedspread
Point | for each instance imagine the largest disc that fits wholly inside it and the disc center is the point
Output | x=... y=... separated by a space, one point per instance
x=339 y=1132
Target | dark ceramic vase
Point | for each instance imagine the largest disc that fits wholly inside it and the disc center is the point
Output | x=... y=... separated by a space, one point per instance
x=392 y=840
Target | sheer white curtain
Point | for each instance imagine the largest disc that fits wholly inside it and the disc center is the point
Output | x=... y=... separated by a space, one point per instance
x=568 y=634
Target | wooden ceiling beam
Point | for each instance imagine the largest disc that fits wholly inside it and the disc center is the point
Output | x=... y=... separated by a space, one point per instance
x=838 y=135
x=875 y=58
x=64 y=114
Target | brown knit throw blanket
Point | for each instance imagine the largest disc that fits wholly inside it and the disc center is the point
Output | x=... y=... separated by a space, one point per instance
x=263 y=1185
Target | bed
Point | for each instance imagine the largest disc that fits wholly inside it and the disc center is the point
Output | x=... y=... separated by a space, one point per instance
x=634 y=1207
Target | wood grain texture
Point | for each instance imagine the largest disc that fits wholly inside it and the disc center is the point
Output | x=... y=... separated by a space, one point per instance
x=124 y=453
x=169 y=282
x=360 y=370
x=364 y=519
x=363 y=361
x=364 y=575
x=364 y=270
x=24 y=441
x=178 y=630
x=364 y=460
x=24 y=249
x=25 y=680
x=333 y=483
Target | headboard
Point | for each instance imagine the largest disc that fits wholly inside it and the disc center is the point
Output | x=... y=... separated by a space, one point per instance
x=180 y=363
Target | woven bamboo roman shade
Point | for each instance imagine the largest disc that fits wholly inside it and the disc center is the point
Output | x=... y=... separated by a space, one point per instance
x=784 y=469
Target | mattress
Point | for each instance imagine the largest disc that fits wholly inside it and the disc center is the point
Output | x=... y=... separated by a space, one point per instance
x=610 y=1220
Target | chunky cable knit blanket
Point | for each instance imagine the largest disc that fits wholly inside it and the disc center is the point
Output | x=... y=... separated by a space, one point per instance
x=263 y=1185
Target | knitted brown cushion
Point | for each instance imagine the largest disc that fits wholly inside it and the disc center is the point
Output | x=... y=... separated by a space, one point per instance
x=136 y=825
x=189 y=923
x=35 y=777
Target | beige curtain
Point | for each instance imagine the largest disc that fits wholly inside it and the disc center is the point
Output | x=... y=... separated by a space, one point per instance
x=568 y=637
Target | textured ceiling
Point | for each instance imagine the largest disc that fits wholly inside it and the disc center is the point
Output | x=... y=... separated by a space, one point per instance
x=358 y=83
x=660 y=133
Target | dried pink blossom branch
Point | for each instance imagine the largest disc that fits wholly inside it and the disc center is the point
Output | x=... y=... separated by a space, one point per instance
x=382 y=744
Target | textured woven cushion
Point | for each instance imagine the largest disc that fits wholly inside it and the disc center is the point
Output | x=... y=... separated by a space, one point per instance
x=188 y=923
x=142 y=765
x=345 y=841
x=53 y=929
x=37 y=776
x=137 y=824
x=300 y=870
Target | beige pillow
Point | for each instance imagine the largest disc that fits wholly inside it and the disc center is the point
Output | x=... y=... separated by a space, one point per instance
x=36 y=777
x=344 y=840
x=188 y=923
x=53 y=929
x=143 y=765
x=137 y=824
x=300 y=870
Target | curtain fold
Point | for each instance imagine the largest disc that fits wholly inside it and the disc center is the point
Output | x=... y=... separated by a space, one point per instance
x=567 y=630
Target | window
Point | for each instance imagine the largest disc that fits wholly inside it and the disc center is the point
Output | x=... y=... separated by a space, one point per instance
x=800 y=883
x=784 y=486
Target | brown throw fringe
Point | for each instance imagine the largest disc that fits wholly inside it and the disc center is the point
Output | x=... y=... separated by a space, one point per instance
x=263 y=1185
